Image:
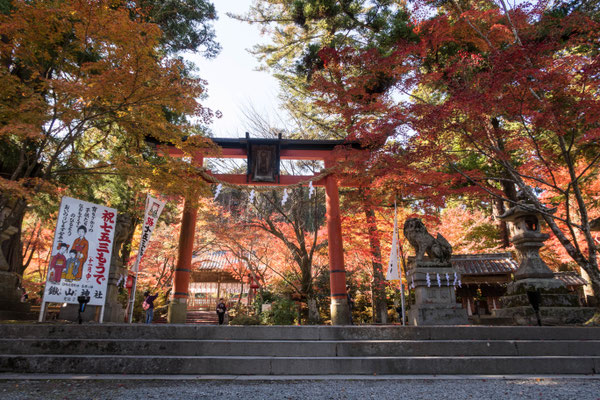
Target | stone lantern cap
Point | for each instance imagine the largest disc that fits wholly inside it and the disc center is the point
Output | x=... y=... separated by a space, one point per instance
x=522 y=209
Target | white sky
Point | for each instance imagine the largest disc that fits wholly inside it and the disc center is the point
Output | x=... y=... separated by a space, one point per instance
x=233 y=82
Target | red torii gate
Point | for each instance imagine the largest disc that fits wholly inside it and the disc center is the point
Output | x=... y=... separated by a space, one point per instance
x=263 y=169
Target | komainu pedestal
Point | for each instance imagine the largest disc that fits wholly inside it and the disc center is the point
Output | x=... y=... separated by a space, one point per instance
x=435 y=299
x=434 y=304
x=535 y=284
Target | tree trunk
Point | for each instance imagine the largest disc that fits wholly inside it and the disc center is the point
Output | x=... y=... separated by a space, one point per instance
x=378 y=284
x=127 y=244
x=595 y=283
x=510 y=191
x=314 y=318
x=241 y=292
x=502 y=225
x=11 y=247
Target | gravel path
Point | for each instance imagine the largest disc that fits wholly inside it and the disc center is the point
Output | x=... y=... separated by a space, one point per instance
x=501 y=389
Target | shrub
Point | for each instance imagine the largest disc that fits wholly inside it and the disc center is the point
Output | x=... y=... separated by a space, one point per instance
x=283 y=312
x=243 y=319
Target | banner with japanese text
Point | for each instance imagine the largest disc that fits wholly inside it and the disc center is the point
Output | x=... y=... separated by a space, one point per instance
x=81 y=253
x=154 y=208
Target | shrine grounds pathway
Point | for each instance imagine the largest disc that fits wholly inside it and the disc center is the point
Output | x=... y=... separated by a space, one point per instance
x=299 y=387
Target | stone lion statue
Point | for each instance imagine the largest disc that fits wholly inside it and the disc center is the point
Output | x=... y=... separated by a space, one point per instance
x=438 y=249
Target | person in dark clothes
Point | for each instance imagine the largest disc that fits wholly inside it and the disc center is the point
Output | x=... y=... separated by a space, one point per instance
x=148 y=305
x=221 y=309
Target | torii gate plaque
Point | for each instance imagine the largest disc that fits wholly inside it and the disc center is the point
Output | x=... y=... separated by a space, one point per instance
x=263 y=157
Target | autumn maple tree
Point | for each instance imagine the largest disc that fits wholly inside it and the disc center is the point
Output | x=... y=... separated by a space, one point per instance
x=296 y=224
x=488 y=101
x=82 y=85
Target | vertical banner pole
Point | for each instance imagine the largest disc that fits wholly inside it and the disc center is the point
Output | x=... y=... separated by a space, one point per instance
x=399 y=266
x=133 y=288
x=152 y=211
x=402 y=300
x=132 y=299
x=101 y=314
x=42 y=310
x=394 y=271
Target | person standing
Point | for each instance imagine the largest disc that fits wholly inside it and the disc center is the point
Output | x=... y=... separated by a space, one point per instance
x=221 y=309
x=148 y=305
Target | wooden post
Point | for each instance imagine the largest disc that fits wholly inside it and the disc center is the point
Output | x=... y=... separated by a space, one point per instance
x=218 y=286
x=178 y=305
x=340 y=313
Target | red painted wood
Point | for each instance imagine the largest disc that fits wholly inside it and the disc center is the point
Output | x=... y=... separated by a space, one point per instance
x=337 y=276
x=186 y=245
x=185 y=250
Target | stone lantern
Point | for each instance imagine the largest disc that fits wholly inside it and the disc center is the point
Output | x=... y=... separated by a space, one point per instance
x=533 y=278
x=524 y=223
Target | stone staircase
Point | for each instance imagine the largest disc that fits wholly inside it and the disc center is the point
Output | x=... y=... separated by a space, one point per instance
x=198 y=317
x=297 y=350
x=202 y=318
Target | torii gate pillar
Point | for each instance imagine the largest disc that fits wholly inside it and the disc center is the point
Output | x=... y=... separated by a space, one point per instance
x=340 y=313
x=177 y=312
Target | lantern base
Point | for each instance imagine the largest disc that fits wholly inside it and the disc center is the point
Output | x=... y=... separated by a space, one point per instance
x=525 y=315
x=557 y=306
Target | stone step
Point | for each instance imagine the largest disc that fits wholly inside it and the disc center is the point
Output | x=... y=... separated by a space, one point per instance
x=235 y=365
x=304 y=348
x=195 y=318
x=194 y=332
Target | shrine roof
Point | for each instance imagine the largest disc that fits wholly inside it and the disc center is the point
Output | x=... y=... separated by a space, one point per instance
x=484 y=264
x=213 y=261
x=503 y=263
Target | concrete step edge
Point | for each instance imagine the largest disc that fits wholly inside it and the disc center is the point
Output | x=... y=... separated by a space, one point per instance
x=162 y=357
x=195 y=377
x=308 y=341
